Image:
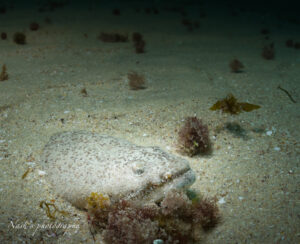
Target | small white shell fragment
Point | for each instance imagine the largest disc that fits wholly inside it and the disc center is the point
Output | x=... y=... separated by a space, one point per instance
x=167 y=175
x=30 y=163
x=66 y=112
x=277 y=148
x=241 y=198
x=269 y=133
x=41 y=173
x=222 y=201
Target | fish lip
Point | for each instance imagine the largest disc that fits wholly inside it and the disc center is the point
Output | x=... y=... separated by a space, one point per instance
x=186 y=179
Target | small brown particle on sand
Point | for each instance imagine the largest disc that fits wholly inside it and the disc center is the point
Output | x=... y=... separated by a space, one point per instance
x=3 y=74
x=136 y=81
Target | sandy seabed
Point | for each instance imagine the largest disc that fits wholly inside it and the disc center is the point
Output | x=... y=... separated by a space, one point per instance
x=253 y=170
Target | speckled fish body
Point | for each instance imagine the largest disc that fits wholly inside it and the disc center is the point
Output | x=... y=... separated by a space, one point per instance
x=78 y=163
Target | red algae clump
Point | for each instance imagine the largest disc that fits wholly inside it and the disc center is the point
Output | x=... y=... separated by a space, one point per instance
x=176 y=219
x=193 y=137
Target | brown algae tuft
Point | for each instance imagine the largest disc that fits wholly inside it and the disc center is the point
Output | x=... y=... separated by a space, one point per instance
x=51 y=213
x=232 y=106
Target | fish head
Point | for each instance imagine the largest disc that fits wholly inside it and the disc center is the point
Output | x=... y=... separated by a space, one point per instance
x=150 y=177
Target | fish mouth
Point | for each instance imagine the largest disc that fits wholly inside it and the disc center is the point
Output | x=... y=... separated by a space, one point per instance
x=154 y=192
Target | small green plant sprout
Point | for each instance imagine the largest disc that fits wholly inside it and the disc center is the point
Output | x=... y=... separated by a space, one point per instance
x=232 y=106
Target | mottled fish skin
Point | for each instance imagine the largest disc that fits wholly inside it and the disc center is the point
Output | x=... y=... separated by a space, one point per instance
x=79 y=162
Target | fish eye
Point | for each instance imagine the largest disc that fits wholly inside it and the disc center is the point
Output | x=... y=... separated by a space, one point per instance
x=138 y=168
x=138 y=171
